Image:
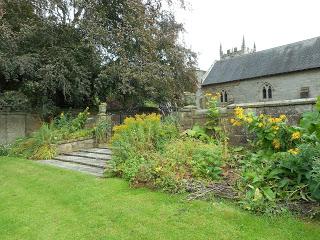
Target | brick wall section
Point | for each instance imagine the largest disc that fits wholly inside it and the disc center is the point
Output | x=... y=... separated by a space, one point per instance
x=293 y=109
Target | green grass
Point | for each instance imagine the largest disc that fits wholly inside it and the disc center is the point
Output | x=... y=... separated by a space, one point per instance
x=43 y=202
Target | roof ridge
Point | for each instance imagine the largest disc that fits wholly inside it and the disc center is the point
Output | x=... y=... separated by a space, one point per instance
x=296 y=56
x=284 y=45
x=269 y=49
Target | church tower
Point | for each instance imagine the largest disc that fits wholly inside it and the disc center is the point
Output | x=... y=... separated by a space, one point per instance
x=235 y=52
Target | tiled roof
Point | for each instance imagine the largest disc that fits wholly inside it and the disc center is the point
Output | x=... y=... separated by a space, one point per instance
x=284 y=59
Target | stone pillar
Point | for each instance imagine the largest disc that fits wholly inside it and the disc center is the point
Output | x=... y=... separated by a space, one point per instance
x=102 y=116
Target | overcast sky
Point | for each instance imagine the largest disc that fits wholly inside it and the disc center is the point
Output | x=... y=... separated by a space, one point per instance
x=269 y=23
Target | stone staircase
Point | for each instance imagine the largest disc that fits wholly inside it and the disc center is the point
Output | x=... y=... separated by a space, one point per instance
x=91 y=161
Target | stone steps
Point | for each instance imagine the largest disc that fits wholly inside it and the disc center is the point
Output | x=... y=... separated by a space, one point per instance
x=75 y=167
x=82 y=160
x=90 y=155
x=91 y=161
x=98 y=150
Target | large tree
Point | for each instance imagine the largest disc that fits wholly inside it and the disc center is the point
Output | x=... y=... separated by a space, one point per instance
x=67 y=52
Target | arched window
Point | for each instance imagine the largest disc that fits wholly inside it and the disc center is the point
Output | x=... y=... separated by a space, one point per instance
x=223 y=96
x=267 y=91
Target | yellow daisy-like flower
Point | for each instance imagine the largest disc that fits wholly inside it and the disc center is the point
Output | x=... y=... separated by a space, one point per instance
x=295 y=136
x=248 y=119
x=276 y=144
x=283 y=117
x=275 y=128
x=260 y=125
x=294 y=151
x=239 y=112
x=235 y=123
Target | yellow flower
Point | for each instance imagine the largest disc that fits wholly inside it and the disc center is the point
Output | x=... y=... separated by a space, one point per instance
x=261 y=115
x=283 y=117
x=295 y=135
x=236 y=123
x=129 y=120
x=249 y=119
x=208 y=94
x=274 y=120
x=294 y=151
x=260 y=125
x=62 y=114
x=239 y=112
x=276 y=143
x=119 y=128
x=275 y=128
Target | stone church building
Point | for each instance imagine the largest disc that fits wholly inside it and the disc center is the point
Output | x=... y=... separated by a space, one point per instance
x=288 y=72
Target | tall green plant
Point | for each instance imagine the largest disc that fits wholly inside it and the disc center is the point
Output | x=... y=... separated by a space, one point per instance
x=310 y=122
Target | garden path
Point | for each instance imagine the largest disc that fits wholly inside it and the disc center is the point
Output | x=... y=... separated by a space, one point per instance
x=92 y=161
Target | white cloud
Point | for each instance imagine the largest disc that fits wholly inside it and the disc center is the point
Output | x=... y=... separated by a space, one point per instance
x=269 y=23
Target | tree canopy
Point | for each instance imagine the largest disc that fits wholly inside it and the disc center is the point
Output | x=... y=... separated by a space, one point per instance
x=70 y=52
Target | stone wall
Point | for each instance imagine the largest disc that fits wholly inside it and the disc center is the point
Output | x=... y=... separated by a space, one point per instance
x=293 y=109
x=14 y=125
x=284 y=86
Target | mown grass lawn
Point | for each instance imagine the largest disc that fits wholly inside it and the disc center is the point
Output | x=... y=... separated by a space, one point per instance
x=43 y=202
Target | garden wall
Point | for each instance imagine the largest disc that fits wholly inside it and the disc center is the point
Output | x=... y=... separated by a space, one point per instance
x=293 y=109
x=14 y=125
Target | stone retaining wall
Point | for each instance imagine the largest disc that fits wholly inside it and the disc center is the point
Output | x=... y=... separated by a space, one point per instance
x=14 y=125
x=75 y=145
x=293 y=109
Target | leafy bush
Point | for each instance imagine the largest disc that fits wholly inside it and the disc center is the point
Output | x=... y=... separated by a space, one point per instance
x=272 y=133
x=15 y=100
x=41 y=144
x=272 y=178
x=199 y=133
x=38 y=145
x=142 y=133
x=310 y=123
x=148 y=152
x=212 y=125
x=4 y=150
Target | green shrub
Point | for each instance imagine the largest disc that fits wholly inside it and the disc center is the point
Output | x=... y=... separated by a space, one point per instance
x=199 y=133
x=41 y=144
x=38 y=145
x=271 y=133
x=272 y=178
x=148 y=152
x=310 y=123
x=4 y=150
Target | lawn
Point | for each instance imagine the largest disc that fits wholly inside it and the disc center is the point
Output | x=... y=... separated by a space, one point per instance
x=43 y=202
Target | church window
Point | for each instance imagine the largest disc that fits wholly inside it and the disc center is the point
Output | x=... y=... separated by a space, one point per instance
x=224 y=96
x=264 y=93
x=267 y=91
